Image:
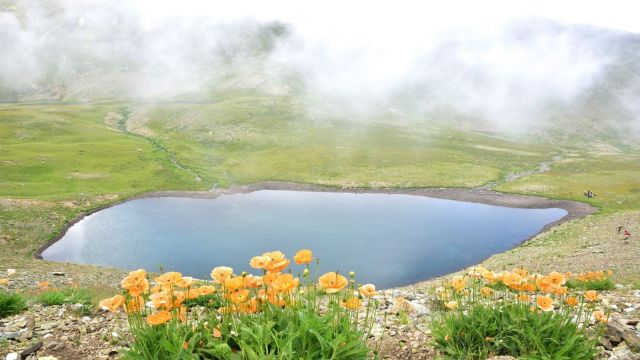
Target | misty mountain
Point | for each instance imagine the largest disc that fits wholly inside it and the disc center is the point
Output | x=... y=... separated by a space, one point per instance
x=528 y=76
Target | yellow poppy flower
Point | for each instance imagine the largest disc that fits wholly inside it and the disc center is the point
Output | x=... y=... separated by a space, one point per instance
x=545 y=303
x=303 y=257
x=159 y=317
x=367 y=290
x=221 y=273
x=113 y=303
x=332 y=282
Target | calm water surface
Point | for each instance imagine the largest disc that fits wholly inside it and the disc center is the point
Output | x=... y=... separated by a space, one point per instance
x=389 y=240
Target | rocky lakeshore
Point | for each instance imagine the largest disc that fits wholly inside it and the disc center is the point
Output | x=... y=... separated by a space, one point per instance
x=401 y=331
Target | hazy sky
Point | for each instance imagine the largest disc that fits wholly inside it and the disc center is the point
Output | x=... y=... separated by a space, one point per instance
x=318 y=15
x=492 y=59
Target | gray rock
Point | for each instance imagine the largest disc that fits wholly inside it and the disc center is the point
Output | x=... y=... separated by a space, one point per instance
x=418 y=309
x=632 y=338
x=624 y=354
x=614 y=332
x=11 y=335
x=58 y=273
x=31 y=350
x=12 y=356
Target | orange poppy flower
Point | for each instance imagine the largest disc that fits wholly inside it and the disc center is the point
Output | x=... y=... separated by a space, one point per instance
x=352 y=303
x=276 y=262
x=562 y=290
x=512 y=279
x=556 y=278
x=206 y=290
x=251 y=306
x=268 y=278
x=251 y=281
x=285 y=283
x=521 y=271
x=217 y=333
x=239 y=296
x=169 y=279
x=159 y=317
x=545 y=303
x=134 y=278
x=43 y=284
x=221 y=273
x=185 y=282
x=591 y=295
x=367 y=290
x=332 y=282
x=451 y=305
x=486 y=291
x=140 y=288
x=134 y=304
x=489 y=276
x=4 y=282
x=303 y=257
x=572 y=301
x=113 y=303
x=234 y=283
x=182 y=314
x=458 y=283
x=258 y=262
x=600 y=316
x=523 y=297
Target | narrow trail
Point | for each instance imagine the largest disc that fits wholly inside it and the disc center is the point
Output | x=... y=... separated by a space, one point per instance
x=543 y=167
x=122 y=122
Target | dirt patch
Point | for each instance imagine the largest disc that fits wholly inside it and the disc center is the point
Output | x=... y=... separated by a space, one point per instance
x=87 y=176
x=137 y=122
x=4 y=202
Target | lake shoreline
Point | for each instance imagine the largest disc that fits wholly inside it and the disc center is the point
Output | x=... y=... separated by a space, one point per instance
x=575 y=210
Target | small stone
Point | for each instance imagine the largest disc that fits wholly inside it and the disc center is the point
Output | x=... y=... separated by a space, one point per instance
x=58 y=273
x=12 y=356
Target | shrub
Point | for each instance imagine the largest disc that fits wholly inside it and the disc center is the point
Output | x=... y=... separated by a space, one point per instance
x=512 y=329
x=11 y=304
x=529 y=316
x=274 y=316
x=592 y=280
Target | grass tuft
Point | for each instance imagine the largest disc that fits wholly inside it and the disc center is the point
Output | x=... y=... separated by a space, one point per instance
x=11 y=304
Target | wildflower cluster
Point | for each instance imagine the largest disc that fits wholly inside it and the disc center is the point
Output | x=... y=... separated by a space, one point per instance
x=542 y=292
x=236 y=300
x=509 y=297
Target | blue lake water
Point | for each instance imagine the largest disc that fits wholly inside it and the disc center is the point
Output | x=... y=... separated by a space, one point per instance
x=388 y=240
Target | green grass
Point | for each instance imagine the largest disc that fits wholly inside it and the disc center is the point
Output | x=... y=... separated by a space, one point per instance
x=612 y=177
x=11 y=304
x=599 y=285
x=484 y=331
x=66 y=296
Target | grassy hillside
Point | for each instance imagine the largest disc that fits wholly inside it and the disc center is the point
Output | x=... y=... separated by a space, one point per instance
x=58 y=160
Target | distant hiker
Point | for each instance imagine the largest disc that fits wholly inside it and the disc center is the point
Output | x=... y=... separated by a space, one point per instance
x=627 y=235
x=619 y=229
x=589 y=194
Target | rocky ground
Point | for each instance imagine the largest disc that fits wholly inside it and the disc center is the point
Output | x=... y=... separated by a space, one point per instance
x=64 y=332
